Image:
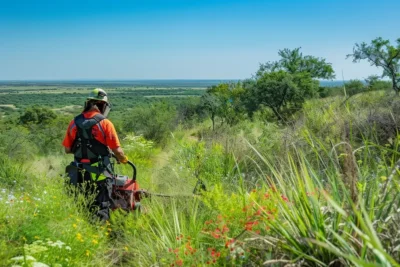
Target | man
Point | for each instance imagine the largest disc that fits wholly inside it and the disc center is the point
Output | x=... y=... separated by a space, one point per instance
x=90 y=137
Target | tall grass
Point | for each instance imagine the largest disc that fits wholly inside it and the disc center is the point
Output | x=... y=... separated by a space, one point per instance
x=316 y=192
x=324 y=221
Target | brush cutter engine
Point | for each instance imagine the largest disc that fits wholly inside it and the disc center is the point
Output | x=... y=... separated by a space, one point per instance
x=126 y=194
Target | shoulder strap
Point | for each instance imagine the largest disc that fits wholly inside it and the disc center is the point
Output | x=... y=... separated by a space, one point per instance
x=99 y=117
x=85 y=125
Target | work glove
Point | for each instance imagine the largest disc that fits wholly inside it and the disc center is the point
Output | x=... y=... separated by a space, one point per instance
x=124 y=160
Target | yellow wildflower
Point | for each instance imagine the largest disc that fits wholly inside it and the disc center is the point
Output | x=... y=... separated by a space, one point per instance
x=87 y=253
x=79 y=237
x=74 y=225
x=94 y=241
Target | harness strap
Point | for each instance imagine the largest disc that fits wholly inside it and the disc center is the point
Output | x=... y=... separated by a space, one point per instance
x=86 y=146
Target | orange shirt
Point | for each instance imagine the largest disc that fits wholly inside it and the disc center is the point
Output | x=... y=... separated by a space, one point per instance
x=106 y=135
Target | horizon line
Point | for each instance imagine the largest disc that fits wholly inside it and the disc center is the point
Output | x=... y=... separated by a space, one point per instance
x=156 y=79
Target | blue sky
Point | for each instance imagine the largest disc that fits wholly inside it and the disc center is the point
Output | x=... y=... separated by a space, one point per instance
x=178 y=39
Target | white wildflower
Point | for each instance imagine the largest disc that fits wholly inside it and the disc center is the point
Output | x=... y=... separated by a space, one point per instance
x=21 y=258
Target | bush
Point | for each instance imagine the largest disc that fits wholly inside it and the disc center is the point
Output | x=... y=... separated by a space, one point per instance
x=354 y=87
x=37 y=115
x=155 y=122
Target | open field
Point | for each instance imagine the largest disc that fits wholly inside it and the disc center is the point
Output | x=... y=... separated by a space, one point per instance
x=18 y=95
x=320 y=190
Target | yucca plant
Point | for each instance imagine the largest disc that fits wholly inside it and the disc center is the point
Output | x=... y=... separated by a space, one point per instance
x=331 y=217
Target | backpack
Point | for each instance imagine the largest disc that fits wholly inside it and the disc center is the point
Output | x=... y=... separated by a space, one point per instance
x=85 y=146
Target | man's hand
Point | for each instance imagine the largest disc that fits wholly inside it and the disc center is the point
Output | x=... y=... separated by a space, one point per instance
x=119 y=154
x=124 y=160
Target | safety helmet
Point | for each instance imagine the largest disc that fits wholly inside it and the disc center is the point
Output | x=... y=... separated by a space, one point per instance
x=99 y=94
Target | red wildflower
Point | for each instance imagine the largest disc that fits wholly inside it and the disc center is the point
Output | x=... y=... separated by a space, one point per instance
x=215 y=235
x=249 y=225
x=258 y=212
x=179 y=262
x=229 y=242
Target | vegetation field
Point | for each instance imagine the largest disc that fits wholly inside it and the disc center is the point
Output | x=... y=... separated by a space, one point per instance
x=275 y=170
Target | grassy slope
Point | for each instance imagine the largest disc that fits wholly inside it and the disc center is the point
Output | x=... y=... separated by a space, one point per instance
x=276 y=195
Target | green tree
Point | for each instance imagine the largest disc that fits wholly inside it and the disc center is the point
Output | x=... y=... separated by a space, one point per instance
x=37 y=115
x=374 y=83
x=293 y=61
x=283 y=92
x=155 y=122
x=223 y=101
x=354 y=87
x=211 y=104
x=284 y=85
x=381 y=53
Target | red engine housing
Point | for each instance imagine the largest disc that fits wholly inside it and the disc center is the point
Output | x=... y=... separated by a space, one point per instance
x=126 y=193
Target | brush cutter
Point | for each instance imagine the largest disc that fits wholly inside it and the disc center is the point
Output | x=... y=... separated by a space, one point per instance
x=126 y=194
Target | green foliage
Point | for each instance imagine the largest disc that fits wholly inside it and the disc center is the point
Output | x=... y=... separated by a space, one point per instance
x=375 y=84
x=291 y=193
x=155 y=122
x=284 y=85
x=15 y=143
x=281 y=91
x=42 y=224
x=322 y=190
x=190 y=112
x=13 y=174
x=63 y=95
x=382 y=54
x=211 y=164
x=353 y=87
x=223 y=101
x=37 y=115
x=293 y=61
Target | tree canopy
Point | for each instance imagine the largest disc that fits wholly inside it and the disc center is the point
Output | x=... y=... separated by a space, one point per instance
x=293 y=61
x=285 y=84
x=382 y=54
x=223 y=101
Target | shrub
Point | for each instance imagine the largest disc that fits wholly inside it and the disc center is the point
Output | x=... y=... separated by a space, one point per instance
x=154 y=122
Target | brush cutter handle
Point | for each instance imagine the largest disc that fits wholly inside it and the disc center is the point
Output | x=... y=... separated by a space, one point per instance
x=134 y=170
x=132 y=165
